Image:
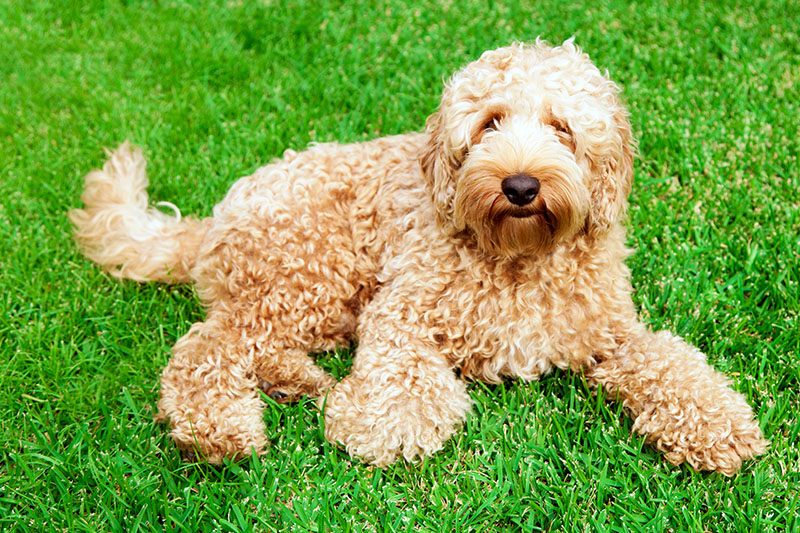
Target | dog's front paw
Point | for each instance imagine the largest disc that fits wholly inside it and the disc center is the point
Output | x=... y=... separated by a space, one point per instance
x=720 y=444
x=379 y=422
x=726 y=454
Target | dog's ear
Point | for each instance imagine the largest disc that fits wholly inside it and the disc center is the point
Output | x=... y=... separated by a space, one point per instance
x=438 y=170
x=614 y=177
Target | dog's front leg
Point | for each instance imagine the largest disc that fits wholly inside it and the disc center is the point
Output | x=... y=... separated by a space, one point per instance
x=680 y=403
x=402 y=397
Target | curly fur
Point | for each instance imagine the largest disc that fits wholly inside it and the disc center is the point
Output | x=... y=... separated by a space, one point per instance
x=409 y=244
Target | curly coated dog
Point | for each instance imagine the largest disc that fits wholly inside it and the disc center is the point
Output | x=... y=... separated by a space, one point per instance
x=489 y=246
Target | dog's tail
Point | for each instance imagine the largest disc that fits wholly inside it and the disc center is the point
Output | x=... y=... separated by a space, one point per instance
x=129 y=239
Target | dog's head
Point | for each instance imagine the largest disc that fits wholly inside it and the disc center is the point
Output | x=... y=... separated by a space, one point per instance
x=529 y=147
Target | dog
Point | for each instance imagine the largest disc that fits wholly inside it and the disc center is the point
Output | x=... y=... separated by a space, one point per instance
x=489 y=246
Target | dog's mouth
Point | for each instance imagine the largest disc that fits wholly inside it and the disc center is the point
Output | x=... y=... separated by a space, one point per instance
x=529 y=212
x=538 y=214
x=525 y=213
x=537 y=208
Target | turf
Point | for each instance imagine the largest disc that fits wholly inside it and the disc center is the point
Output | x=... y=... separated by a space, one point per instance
x=212 y=90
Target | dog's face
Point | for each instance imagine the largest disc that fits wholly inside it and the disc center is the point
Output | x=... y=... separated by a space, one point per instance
x=529 y=147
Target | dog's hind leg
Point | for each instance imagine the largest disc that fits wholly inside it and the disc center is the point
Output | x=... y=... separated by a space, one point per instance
x=291 y=289
x=209 y=393
x=286 y=374
x=283 y=337
x=210 y=388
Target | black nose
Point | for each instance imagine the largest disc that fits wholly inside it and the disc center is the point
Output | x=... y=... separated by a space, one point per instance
x=520 y=189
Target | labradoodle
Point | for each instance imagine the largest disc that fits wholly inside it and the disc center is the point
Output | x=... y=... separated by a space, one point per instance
x=489 y=246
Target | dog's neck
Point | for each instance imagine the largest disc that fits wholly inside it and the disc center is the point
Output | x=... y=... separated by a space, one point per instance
x=582 y=249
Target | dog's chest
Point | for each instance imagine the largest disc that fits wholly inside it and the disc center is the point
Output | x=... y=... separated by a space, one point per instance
x=515 y=327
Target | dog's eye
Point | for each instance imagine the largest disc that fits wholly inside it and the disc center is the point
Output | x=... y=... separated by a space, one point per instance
x=491 y=124
x=563 y=133
x=561 y=127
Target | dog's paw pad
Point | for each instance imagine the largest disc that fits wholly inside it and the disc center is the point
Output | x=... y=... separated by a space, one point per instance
x=278 y=396
x=188 y=456
x=270 y=390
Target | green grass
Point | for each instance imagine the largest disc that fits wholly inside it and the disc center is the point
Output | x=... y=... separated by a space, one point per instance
x=212 y=90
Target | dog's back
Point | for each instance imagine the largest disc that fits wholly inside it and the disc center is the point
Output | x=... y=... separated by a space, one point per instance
x=119 y=230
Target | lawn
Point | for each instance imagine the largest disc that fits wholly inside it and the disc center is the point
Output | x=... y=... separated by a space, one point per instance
x=212 y=90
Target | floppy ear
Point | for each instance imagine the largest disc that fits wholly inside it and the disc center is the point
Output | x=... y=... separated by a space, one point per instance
x=438 y=170
x=614 y=176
